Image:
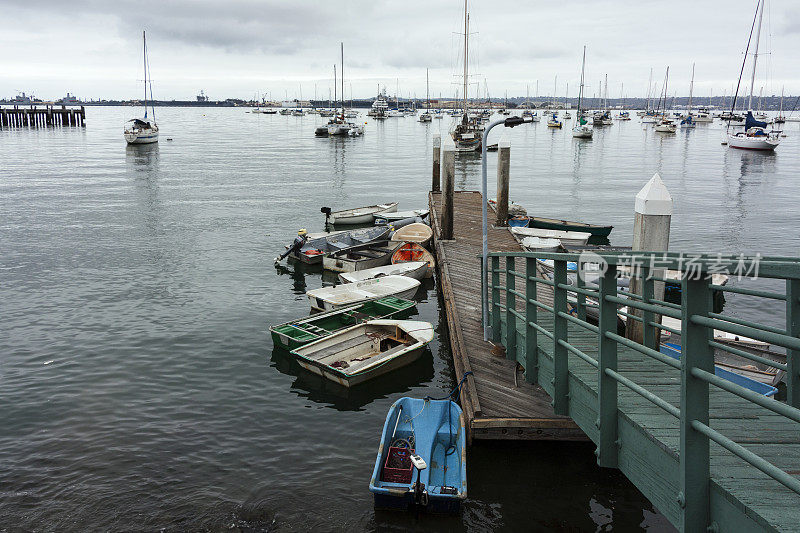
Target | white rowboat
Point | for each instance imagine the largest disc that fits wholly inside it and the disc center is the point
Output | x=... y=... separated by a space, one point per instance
x=412 y=269
x=575 y=238
x=361 y=215
x=330 y=298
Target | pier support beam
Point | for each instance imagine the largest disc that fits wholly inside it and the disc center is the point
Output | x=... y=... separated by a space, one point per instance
x=653 y=215
x=448 y=186
x=503 y=176
x=437 y=158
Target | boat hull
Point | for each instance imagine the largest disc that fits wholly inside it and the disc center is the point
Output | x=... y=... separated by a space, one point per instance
x=412 y=251
x=415 y=270
x=566 y=225
x=329 y=299
x=360 y=257
x=141 y=137
x=742 y=142
x=296 y=333
x=439 y=432
x=342 y=218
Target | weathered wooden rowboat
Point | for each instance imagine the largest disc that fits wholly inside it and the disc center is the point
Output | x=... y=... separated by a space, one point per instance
x=563 y=225
x=330 y=298
x=360 y=215
x=365 y=351
x=566 y=237
x=417 y=232
x=361 y=257
x=296 y=333
x=412 y=251
x=315 y=249
x=435 y=431
x=413 y=269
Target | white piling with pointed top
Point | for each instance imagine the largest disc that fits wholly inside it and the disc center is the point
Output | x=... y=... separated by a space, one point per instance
x=651 y=226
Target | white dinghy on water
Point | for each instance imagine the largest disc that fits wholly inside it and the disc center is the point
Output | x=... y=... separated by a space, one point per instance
x=359 y=215
x=755 y=135
x=330 y=298
x=413 y=269
x=143 y=130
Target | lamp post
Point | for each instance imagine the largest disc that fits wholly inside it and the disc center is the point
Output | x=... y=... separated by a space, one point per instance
x=509 y=122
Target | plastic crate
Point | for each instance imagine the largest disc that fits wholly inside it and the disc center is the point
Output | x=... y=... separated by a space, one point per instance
x=398 y=467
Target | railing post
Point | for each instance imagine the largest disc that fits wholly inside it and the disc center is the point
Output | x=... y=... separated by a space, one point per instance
x=581 y=297
x=560 y=361
x=793 y=329
x=495 y=299
x=606 y=385
x=531 y=335
x=651 y=335
x=694 y=449
x=511 y=306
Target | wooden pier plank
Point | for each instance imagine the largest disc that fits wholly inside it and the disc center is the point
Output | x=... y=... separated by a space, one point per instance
x=496 y=406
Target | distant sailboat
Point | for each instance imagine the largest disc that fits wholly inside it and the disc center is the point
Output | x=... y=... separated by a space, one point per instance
x=426 y=116
x=688 y=120
x=665 y=125
x=582 y=129
x=143 y=130
x=467 y=134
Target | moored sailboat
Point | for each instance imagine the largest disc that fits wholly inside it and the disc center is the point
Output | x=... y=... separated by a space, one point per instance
x=144 y=130
x=467 y=134
x=582 y=129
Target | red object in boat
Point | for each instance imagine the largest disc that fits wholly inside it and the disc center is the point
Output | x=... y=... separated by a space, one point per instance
x=398 y=467
x=412 y=251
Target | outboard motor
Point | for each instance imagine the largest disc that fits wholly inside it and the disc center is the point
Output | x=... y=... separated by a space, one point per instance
x=327 y=211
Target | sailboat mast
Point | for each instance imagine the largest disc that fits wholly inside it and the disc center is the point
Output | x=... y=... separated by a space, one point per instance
x=691 y=89
x=144 y=61
x=466 y=54
x=755 y=56
x=335 y=87
x=649 y=89
x=428 y=88
x=580 y=90
x=342 y=75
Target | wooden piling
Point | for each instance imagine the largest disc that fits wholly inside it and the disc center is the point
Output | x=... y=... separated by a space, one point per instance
x=448 y=164
x=437 y=157
x=653 y=214
x=503 y=176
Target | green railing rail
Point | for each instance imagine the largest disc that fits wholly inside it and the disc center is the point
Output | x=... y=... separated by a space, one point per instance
x=515 y=278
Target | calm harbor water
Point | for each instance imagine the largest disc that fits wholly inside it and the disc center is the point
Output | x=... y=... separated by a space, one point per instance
x=138 y=382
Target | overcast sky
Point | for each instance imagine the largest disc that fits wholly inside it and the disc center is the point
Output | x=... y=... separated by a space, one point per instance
x=237 y=48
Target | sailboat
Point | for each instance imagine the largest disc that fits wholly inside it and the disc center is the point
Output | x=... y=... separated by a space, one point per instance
x=143 y=130
x=688 y=121
x=755 y=135
x=665 y=125
x=779 y=118
x=623 y=115
x=582 y=129
x=467 y=133
x=338 y=126
x=426 y=116
x=566 y=104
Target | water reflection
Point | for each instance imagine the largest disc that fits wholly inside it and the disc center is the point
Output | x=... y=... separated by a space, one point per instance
x=297 y=272
x=142 y=157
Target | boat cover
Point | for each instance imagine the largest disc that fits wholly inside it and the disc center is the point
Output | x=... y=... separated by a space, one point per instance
x=751 y=122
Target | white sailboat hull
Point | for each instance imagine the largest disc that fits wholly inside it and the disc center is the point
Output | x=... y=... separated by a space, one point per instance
x=743 y=142
x=141 y=137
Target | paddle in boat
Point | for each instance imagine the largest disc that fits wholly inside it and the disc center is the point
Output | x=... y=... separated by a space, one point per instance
x=412 y=251
x=417 y=232
x=330 y=298
x=365 y=351
x=413 y=269
x=422 y=457
x=296 y=333
x=360 y=257
x=359 y=215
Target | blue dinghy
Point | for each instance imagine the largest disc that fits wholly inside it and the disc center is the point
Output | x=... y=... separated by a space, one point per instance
x=434 y=431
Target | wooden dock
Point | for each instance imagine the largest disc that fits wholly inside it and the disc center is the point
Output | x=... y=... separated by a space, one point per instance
x=498 y=402
x=41 y=117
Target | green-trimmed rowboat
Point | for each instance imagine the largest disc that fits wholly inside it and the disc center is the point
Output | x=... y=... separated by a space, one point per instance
x=296 y=333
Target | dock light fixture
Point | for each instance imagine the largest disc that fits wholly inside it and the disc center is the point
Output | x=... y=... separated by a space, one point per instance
x=509 y=122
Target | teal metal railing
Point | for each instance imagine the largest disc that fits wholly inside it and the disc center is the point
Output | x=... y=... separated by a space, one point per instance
x=518 y=299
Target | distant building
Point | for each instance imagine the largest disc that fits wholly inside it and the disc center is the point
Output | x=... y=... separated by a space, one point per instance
x=69 y=99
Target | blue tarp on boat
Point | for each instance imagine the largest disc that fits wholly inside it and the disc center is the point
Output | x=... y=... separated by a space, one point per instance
x=751 y=122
